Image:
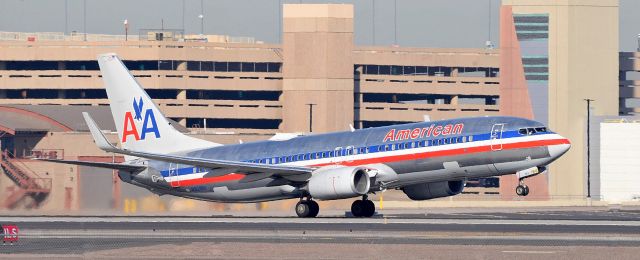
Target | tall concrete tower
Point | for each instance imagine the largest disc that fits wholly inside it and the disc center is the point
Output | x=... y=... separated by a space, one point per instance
x=555 y=54
x=318 y=68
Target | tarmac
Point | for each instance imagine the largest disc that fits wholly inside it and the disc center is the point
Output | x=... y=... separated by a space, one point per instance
x=524 y=233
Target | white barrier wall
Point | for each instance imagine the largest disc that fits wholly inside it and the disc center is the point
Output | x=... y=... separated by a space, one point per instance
x=620 y=161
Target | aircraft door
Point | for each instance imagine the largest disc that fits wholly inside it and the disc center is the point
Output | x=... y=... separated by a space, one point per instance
x=173 y=174
x=496 y=135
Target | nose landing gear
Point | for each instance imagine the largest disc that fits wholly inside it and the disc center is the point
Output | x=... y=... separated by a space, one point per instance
x=522 y=189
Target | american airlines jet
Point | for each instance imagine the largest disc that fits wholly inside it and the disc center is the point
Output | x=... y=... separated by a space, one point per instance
x=425 y=160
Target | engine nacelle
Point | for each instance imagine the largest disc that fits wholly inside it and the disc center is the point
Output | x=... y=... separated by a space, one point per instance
x=426 y=191
x=339 y=183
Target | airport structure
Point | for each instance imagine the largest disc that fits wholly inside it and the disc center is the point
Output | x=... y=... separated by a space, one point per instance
x=552 y=55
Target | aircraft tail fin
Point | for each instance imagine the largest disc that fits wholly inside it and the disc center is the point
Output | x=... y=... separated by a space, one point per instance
x=140 y=124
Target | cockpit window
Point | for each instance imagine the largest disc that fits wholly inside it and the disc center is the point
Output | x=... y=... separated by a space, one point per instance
x=522 y=131
x=531 y=131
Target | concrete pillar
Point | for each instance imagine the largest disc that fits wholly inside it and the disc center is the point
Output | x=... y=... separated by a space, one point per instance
x=3 y=65
x=318 y=67
x=182 y=94
x=62 y=94
x=454 y=100
x=62 y=65
x=182 y=65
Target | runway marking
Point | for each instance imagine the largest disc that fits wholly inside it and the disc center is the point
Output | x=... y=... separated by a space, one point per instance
x=530 y=252
x=22 y=219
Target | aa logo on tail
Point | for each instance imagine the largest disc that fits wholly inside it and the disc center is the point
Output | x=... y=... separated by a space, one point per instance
x=149 y=124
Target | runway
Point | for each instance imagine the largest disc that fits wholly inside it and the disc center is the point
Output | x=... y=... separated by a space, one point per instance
x=580 y=234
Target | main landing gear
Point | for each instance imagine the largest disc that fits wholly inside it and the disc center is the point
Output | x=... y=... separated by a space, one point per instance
x=307 y=208
x=363 y=208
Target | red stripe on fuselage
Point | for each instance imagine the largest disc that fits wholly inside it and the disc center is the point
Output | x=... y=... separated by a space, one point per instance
x=397 y=158
x=208 y=180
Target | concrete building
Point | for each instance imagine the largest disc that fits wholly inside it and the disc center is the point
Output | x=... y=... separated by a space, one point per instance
x=225 y=89
x=555 y=54
x=552 y=55
x=615 y=169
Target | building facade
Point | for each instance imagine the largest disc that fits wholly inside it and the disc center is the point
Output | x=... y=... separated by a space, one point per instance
x=554 y=55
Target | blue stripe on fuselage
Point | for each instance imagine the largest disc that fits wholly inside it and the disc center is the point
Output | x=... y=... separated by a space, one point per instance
x=373 y=149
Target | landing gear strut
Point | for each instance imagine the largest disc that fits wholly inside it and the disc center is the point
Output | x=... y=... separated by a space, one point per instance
x=307 y=208
x=363 y=208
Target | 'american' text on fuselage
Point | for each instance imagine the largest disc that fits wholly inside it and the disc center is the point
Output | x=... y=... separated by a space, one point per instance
x=433 y=130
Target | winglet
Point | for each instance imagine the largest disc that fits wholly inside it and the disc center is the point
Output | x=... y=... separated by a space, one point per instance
x=98 y=136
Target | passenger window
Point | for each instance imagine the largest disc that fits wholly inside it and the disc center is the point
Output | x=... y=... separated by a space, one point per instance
x=531 y=131
x=470 y=138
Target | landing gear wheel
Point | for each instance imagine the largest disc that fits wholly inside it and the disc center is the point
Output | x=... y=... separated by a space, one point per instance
x=307 y=209
x=314 y=208
x=363 y=208
x=370 y=208
x=303 y=209
x=522 y=190
x=358 y=208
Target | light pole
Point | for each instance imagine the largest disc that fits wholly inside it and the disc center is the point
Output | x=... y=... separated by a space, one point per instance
x=311 y=116
x=126 y=29
x=588 y=147
x=201 y=16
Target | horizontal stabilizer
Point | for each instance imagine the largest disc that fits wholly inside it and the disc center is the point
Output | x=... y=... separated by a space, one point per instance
x=289 y=172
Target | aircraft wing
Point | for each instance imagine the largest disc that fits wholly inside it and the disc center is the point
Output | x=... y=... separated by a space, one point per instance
x=263 y=170
x=117 y=166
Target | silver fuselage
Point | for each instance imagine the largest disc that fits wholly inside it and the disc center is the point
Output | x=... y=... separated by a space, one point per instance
x=403 y=155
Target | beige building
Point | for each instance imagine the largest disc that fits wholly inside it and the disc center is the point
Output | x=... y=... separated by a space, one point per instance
x=569 y=52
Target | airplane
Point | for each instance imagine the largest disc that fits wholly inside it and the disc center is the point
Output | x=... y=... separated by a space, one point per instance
x=425 y=160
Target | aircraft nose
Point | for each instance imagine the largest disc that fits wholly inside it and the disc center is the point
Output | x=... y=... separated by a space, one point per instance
x=559 y=149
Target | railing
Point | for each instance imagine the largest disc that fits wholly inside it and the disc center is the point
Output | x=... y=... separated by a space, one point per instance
x=45 y=154
x=39 y=185
x=27 y=180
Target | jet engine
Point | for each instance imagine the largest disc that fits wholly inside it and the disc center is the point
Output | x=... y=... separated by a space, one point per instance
x=339 y=183
x=426 y=191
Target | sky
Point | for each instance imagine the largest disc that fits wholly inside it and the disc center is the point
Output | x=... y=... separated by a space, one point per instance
x=418 y=23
